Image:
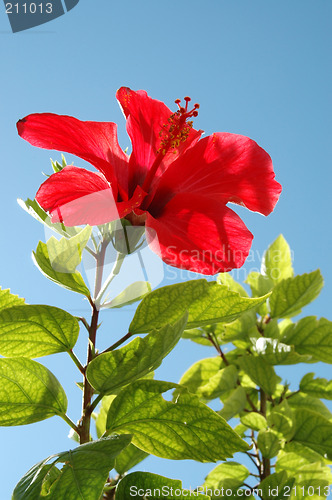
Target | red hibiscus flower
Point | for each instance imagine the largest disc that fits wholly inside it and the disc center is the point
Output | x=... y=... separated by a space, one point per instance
x=173 y=182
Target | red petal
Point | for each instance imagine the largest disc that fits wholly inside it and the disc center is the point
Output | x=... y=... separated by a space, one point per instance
x=77 y=196
x=95 y=142
x=199 y=234
x=145 y=119
x=225 y=166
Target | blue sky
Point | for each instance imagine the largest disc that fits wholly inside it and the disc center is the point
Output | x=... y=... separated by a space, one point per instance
x=257 y=68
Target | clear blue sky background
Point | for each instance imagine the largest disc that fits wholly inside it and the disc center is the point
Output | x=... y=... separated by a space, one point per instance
x=258 y=68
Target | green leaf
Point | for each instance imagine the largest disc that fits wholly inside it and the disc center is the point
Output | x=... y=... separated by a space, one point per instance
x=101 y=417
x=277 y=261
x=268 y=443
x=276 y=486
x=197 y=335
x=234 y=404
x=112 y=370
x=290 y=295
x=71 y=281
x=310 y=479
x=7 y=299
x=314 y=431
x=29 y=392
x=254 y=421
x=153 y=487
x=209 y=379
x=260 y=372
x=229 y=475
x=66 y=254
x=238 y=329
x=294 y=456
x=312 y=337
x=272 y=329
x=281 y=421
x=134 y=292
x=229 y=281
x=57 y=167
x=303 y=402
x=259 y=284
x=180 y=430
x=82 y=476
x=34 y=209
x=37 y=330
x=318 y=388
x=128 y=458
x=36 y=483
x=206 y=303
x=277 y=353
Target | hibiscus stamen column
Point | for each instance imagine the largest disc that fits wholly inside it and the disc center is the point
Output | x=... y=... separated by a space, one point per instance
x=172 y=134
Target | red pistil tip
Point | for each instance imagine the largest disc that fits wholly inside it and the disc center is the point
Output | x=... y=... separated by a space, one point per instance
x=178 y=127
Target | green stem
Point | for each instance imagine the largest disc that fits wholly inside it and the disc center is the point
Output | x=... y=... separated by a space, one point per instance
x=70 y=423
x=254 y=460
x=293 y=394
x=115 y=271
x=84 y=427
x=76 y=360
x=91 y=252
x=214 y=342
x=266 y=464
x=119 y=342
x=84 y=321
x=212 y=338
x=99 y=269
x=95 y=403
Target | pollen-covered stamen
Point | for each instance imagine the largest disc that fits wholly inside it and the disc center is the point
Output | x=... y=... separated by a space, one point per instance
x=172 y=134
x=178 y=127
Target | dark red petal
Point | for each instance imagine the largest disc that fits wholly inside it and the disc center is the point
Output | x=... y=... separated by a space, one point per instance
x=199 y=234
x=224 y=166
x=95 y=142
x=77 y=196
x=145 y=120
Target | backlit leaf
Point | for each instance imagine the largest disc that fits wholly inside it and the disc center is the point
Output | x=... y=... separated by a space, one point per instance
x=234 y=404
x=290 y=295
x=8 y=299
x=81 y=475
x=206 y=303
x=312 y=337
x=112 y=370
x=209 y=378
x=183 y=429
x=29 y=392
x=36 y=330
x=71 y=281
x=316 y=387
x=268 y=443
x=314 y=431
x=277 y=261
x=260 y=372
x=153 y=487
